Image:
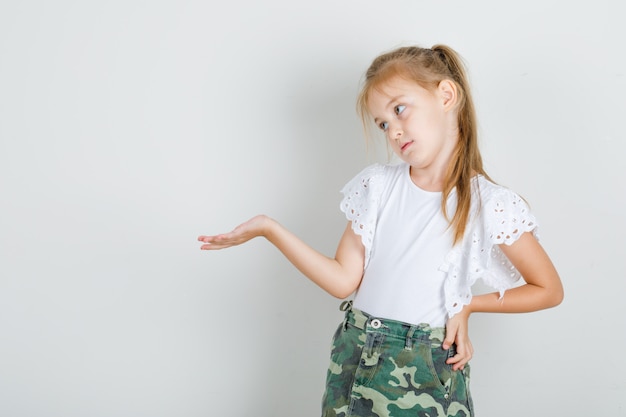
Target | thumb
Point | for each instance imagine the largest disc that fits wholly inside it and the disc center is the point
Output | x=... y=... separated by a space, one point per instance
x=450 y=336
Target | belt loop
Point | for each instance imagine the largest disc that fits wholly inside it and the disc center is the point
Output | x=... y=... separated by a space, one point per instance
x=347 y=307
x=451 y=351
x=408 y=344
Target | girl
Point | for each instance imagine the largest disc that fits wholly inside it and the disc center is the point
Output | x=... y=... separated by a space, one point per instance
x=420 y=233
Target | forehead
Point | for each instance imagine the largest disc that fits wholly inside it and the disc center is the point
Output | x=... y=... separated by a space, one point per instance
x=387 y=91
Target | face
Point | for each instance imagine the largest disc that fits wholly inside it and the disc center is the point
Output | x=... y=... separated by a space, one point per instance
x=420 y=125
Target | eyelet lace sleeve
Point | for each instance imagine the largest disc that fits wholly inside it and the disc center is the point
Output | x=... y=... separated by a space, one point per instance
x=361 y=196
x=502 y=218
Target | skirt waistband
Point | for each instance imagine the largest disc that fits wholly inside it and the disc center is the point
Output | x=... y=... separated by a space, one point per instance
x=368 y=323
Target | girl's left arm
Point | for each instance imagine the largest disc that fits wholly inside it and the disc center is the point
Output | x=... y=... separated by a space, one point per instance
x=543 y=287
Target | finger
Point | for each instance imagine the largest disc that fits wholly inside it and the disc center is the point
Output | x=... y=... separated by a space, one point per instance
x=451 y=335
x=461 y=358
x=461 y=352
x=208 y=239
x=458 y=357
x=458 y=361
x=222 y=241
x=461 y=364
x=455 y=334
x=214 y=246
x=203 y=237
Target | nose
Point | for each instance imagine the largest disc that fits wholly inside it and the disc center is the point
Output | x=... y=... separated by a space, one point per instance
x=395 y=133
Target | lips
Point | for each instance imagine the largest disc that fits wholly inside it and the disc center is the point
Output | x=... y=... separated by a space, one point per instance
x=405 y=145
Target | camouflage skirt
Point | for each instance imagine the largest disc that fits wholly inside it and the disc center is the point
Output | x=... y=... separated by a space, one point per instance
x=386 y=368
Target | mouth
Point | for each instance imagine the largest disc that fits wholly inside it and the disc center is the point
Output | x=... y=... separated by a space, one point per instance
x=405 y=145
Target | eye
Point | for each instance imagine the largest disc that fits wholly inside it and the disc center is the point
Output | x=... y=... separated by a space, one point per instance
x=383 y=126
x=399 y=109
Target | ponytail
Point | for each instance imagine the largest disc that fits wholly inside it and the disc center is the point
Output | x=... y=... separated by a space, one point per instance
x=467 y=160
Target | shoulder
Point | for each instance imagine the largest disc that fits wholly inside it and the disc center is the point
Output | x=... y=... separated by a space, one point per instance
x=373 y=175
x=378 y=170
x=361 y=200
x=489 y=190
x=498 y=197
x=506 y=215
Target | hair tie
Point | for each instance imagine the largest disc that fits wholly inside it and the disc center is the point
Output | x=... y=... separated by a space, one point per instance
x=441 y=54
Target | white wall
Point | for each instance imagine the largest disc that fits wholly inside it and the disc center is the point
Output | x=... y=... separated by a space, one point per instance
x=128 y=128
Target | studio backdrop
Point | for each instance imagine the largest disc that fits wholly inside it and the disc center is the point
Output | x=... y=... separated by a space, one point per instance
x=128 y=128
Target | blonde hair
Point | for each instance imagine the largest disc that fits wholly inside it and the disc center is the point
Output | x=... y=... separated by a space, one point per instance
x=428 y=67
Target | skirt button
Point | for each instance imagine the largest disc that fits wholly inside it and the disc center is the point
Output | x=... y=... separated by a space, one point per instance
x=376 y=324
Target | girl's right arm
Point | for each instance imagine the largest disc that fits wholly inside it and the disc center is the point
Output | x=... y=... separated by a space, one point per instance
x=339 y=276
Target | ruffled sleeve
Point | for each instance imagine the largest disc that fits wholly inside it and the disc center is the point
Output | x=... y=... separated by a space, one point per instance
x=501 y=218
x=361 y=196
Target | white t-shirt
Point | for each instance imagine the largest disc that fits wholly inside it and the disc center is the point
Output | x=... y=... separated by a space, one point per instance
x=412 y=272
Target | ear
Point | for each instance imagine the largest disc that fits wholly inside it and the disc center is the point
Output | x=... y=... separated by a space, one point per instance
x=448 y=92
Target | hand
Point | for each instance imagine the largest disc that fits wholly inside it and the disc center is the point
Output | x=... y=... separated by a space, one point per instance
x=456 y=332
x=254 y=227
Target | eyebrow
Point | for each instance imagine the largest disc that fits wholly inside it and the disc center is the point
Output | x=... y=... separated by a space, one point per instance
x=392 y=100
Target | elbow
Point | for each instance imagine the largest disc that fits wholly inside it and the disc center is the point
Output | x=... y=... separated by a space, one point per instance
x=342 y=293
x=556 y=297
x=553 y=293
x=345 y=289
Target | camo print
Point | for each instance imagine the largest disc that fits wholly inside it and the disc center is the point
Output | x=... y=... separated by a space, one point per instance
x=395 y=370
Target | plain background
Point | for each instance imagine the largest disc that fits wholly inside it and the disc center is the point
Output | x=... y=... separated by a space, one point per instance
x=128 y=128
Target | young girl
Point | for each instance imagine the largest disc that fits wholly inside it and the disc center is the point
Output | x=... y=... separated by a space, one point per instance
x=420 y=233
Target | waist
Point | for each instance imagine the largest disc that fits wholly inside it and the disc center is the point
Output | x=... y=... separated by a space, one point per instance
x=393 y=328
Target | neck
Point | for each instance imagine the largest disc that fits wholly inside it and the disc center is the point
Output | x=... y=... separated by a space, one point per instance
x=428 y=181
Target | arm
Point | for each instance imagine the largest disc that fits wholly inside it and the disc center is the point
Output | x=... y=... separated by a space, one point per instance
x=339 y=276
x=543 y=289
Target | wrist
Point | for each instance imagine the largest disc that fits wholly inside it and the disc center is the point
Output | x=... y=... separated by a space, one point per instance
x=467 y=309
x=268 y=226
